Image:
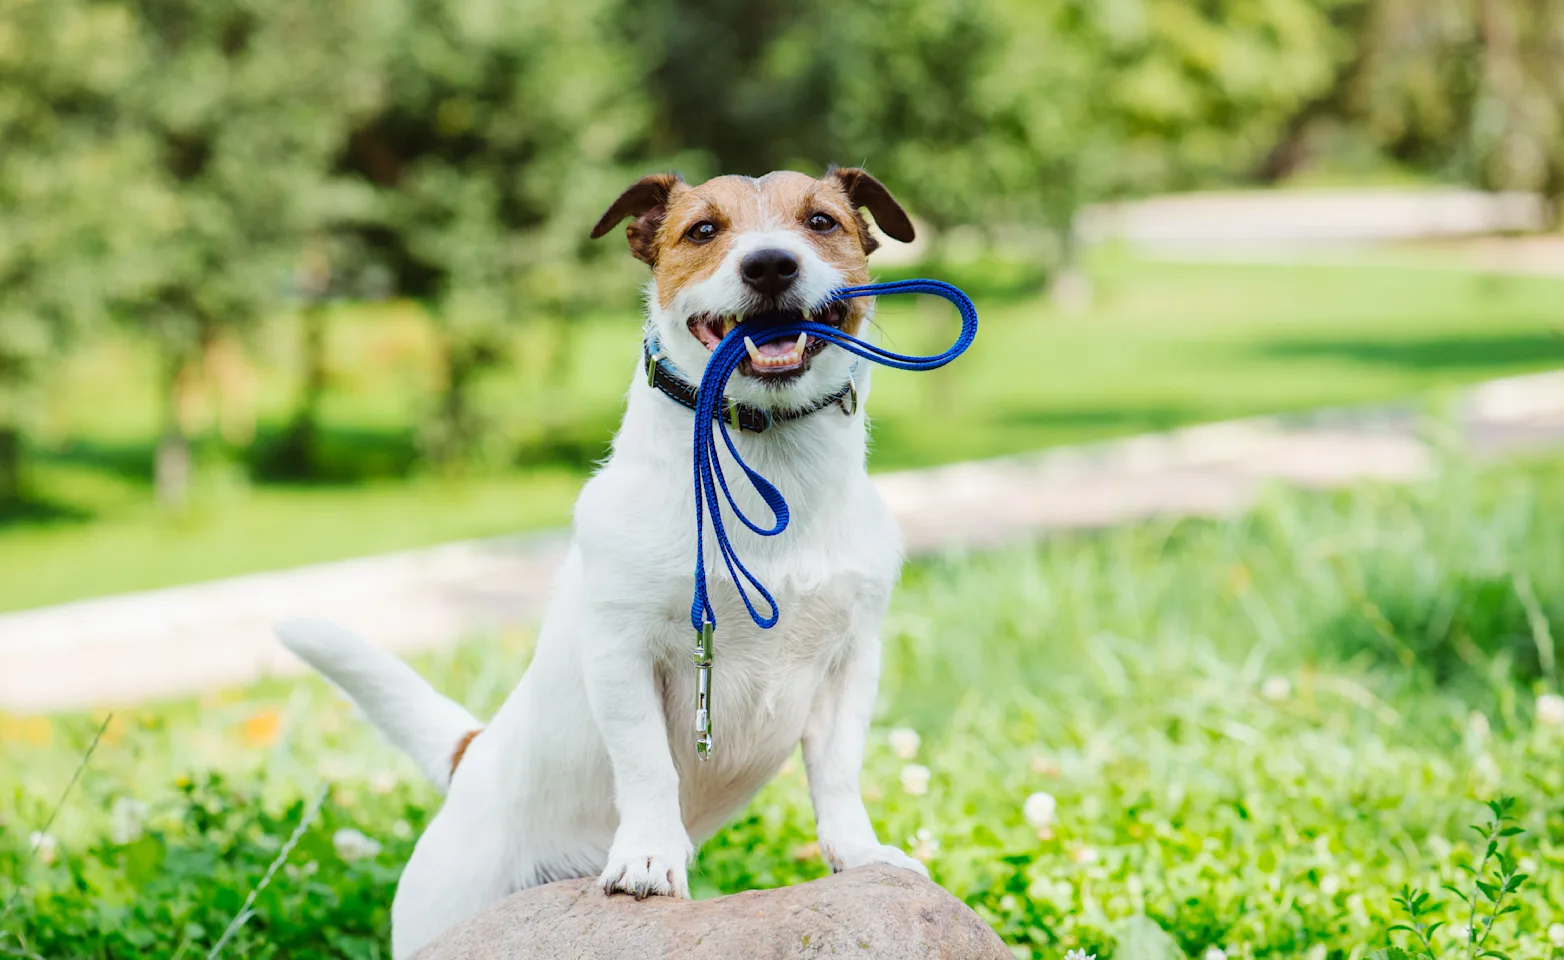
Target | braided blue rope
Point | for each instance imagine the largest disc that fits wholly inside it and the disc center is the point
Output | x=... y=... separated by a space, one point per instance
x=724 y=360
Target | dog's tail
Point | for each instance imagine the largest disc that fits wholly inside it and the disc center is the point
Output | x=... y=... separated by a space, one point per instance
x=432 y=729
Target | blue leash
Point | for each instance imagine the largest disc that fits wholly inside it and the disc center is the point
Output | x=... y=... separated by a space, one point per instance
x=725 y=358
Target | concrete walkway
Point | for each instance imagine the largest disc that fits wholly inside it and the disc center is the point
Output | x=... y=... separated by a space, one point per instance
x=185 y=639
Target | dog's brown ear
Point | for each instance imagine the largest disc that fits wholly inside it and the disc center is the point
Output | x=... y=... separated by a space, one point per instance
x=645 y=203
x=865 y=191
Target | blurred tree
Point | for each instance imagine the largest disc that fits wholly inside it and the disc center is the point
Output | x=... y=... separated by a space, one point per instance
x=751 y=86
x=1472 y=88
x=493 y=150
x=235 y=112
x=61 y=65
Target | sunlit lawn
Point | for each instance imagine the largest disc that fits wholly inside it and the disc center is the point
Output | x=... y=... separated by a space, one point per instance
x=1162 y=345
x=1252 y=733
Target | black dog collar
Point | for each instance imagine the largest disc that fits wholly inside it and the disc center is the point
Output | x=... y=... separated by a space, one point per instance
x=660 y=374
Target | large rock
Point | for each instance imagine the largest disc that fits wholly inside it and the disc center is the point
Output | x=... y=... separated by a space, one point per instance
x=872 y=912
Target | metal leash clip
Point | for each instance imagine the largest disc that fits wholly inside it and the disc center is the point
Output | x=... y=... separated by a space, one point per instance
x=703 y=647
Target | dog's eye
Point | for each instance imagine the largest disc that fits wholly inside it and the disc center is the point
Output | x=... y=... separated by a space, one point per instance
x=820 y=223
x=702 y=232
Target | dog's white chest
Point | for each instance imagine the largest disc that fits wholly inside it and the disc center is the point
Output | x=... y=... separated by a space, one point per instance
x=764 y=685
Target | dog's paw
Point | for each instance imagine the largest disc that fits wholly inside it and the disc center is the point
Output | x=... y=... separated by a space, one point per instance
x=848 y=857
x=646 y=872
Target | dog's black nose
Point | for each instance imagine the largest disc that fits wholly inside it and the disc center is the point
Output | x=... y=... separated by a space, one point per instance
x=769 y=272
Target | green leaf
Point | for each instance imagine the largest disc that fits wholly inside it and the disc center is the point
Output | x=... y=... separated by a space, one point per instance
x=1512 y=831
x=1515 y=881
x=1140 y=938
x=1490 y=890
x=1457 y=892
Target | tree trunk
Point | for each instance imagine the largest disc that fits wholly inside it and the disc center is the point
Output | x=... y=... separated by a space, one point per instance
x=454 y=431
x=10 y=467
x=1070 y=288
x=296 y=456
x=171 y=466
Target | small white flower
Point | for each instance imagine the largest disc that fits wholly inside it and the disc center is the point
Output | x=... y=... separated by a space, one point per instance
x=43 y=846
x=905 y=742
x=126 y=819
x=1079 y=955
x=1276 y=689
x=1477 y=727
x=1039 y=809
x=1008 y=903
x=915 y=779
x=1556 y=934
x=1084 y=854
x=401 y=830
x=1550 y=710
x=1330 y=884
x=353 y=845
x=1214 y=953
x=382 y=783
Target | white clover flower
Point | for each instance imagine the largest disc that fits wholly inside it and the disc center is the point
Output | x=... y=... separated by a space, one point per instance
x=905 y=742
x=1079 y=955
x=915 y=779
x=1276 y=689
x=1556 y=934
x=1550 y=710
x=1214 y=952
x=1477 y=727
x=126 y=819
x=353 y=845
x=1039 y=809
x=43 y=846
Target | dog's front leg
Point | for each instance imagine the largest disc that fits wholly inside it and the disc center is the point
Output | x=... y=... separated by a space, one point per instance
x=834 y=739
x=651 y=849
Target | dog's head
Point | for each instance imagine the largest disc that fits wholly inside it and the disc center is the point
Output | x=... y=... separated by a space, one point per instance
x=736 y=247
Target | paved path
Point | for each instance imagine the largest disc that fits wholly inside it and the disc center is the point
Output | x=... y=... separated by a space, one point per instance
x=185 y=639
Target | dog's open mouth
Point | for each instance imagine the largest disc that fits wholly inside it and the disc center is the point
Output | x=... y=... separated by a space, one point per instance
x=777 y=359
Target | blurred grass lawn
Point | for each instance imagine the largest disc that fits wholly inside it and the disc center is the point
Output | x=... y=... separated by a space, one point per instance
x=1256 y=730
x=1162 y=345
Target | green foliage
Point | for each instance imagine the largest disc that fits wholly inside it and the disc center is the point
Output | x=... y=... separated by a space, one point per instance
x=491 y=151
x=1468 y=87
x=1484 y=898
x=1215 y=776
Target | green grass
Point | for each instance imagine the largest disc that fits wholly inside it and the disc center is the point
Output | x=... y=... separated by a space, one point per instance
x=1163 y=345
x=1256 y=731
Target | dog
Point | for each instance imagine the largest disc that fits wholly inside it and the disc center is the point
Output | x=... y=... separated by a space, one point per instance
x=590 y=768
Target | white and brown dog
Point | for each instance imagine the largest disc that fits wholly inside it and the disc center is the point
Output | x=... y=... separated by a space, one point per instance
x=590 y=767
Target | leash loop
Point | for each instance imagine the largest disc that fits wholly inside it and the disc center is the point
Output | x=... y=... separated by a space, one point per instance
x=710 y=409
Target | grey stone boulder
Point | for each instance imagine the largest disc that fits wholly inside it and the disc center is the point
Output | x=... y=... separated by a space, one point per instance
x=875 y=912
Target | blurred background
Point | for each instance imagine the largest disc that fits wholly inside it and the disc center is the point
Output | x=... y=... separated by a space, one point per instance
x=283 y=281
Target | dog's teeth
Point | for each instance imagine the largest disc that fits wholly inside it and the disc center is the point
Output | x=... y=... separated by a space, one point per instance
x=754 y=352
x=803 y=341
